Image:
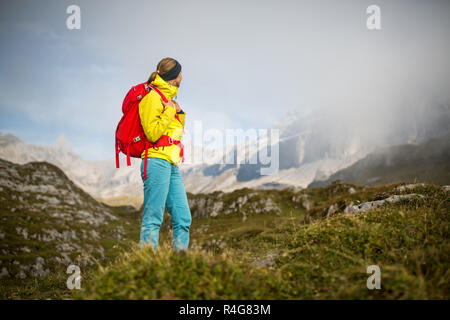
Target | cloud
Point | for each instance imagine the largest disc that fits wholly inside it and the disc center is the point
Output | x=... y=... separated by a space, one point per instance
x=245 y=64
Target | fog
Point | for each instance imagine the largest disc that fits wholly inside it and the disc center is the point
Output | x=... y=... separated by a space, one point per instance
x=246 y=64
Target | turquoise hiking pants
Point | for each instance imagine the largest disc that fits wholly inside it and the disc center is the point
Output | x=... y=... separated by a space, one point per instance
x=164 y=187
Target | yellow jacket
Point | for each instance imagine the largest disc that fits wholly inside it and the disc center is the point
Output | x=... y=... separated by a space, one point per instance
x=157 y=120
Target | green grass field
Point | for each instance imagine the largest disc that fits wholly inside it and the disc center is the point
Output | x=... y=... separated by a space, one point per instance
x=283 y=257
x=296 y=254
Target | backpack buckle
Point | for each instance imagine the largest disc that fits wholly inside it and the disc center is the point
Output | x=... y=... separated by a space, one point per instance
x=170 y=140
x=138 y=138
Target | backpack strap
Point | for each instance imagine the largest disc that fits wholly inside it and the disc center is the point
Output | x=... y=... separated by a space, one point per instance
x=117 y=154
x=128 y=156
x=159 y=92
x=164 y=99
x=165 y=139
x=145 y=160
x=178 y=118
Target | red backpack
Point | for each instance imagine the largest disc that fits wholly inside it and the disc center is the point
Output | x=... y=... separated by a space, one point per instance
x=130 y=136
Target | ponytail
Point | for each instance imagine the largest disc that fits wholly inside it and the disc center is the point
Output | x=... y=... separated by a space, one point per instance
x=152 y=77
x=163 y=67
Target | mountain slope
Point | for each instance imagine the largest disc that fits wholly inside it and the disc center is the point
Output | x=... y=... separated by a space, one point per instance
x=49 y=223
x=99 y=178
x=313 y=248
x=312 y=146
x=427 y=162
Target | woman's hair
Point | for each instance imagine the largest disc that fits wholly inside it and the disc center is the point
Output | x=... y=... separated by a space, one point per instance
x=164 y=66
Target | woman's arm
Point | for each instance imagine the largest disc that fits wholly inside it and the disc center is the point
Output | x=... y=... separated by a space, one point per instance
x=154 y=117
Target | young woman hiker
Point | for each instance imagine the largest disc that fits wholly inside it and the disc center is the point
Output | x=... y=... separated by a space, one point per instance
x=163 y=186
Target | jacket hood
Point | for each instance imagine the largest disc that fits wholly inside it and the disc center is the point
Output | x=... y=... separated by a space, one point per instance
x=168 y=90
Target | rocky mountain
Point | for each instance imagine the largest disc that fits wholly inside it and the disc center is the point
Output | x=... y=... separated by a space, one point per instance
x=47 y=222
x=101 y=179
x=427 y=162
x=312 y=146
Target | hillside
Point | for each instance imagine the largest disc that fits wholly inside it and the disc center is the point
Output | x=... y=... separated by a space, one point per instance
x=49 y=223
x=316 y=245
x=427 y=162
x=99 y=178
x=247 y=244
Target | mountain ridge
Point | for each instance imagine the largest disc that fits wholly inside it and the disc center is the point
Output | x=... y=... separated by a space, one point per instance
x=312 y=146
x=427 y=162
x=48 y=222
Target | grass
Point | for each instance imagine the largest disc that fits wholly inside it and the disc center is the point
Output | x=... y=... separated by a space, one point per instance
x=165 y=274
x=247 y=253
x=324 y=259
x=328 y=259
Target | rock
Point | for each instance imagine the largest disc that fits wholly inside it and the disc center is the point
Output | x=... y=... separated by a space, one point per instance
x=367 y=206
x=94 y=234
x=22 y=231
x=242 y=200
x=332 y=210
x=37 y=270
x=307 y=205
x=21 y=275
x=303 y=199
x=351 y=190
x=217 y=208
x=207 y=205
x=4 y=273
x=299 y=197
x=66 y=258
x=409 y=186
x=213 y=214
x=271 y=206
x=266 y=261
x=350 y=208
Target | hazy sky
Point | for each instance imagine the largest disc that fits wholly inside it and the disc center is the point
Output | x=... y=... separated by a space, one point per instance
x=245 y=63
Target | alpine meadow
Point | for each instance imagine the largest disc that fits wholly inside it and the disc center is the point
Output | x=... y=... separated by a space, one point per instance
x=224 y=159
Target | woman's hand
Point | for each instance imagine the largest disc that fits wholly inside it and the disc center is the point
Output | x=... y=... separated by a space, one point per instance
x=173 y=104
x=177 y=106
x=168 y=104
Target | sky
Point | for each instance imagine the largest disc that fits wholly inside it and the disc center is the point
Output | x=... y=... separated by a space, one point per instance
x=246 y=64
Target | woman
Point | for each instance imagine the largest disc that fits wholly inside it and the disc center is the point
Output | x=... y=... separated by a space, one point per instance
x=163 y=186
